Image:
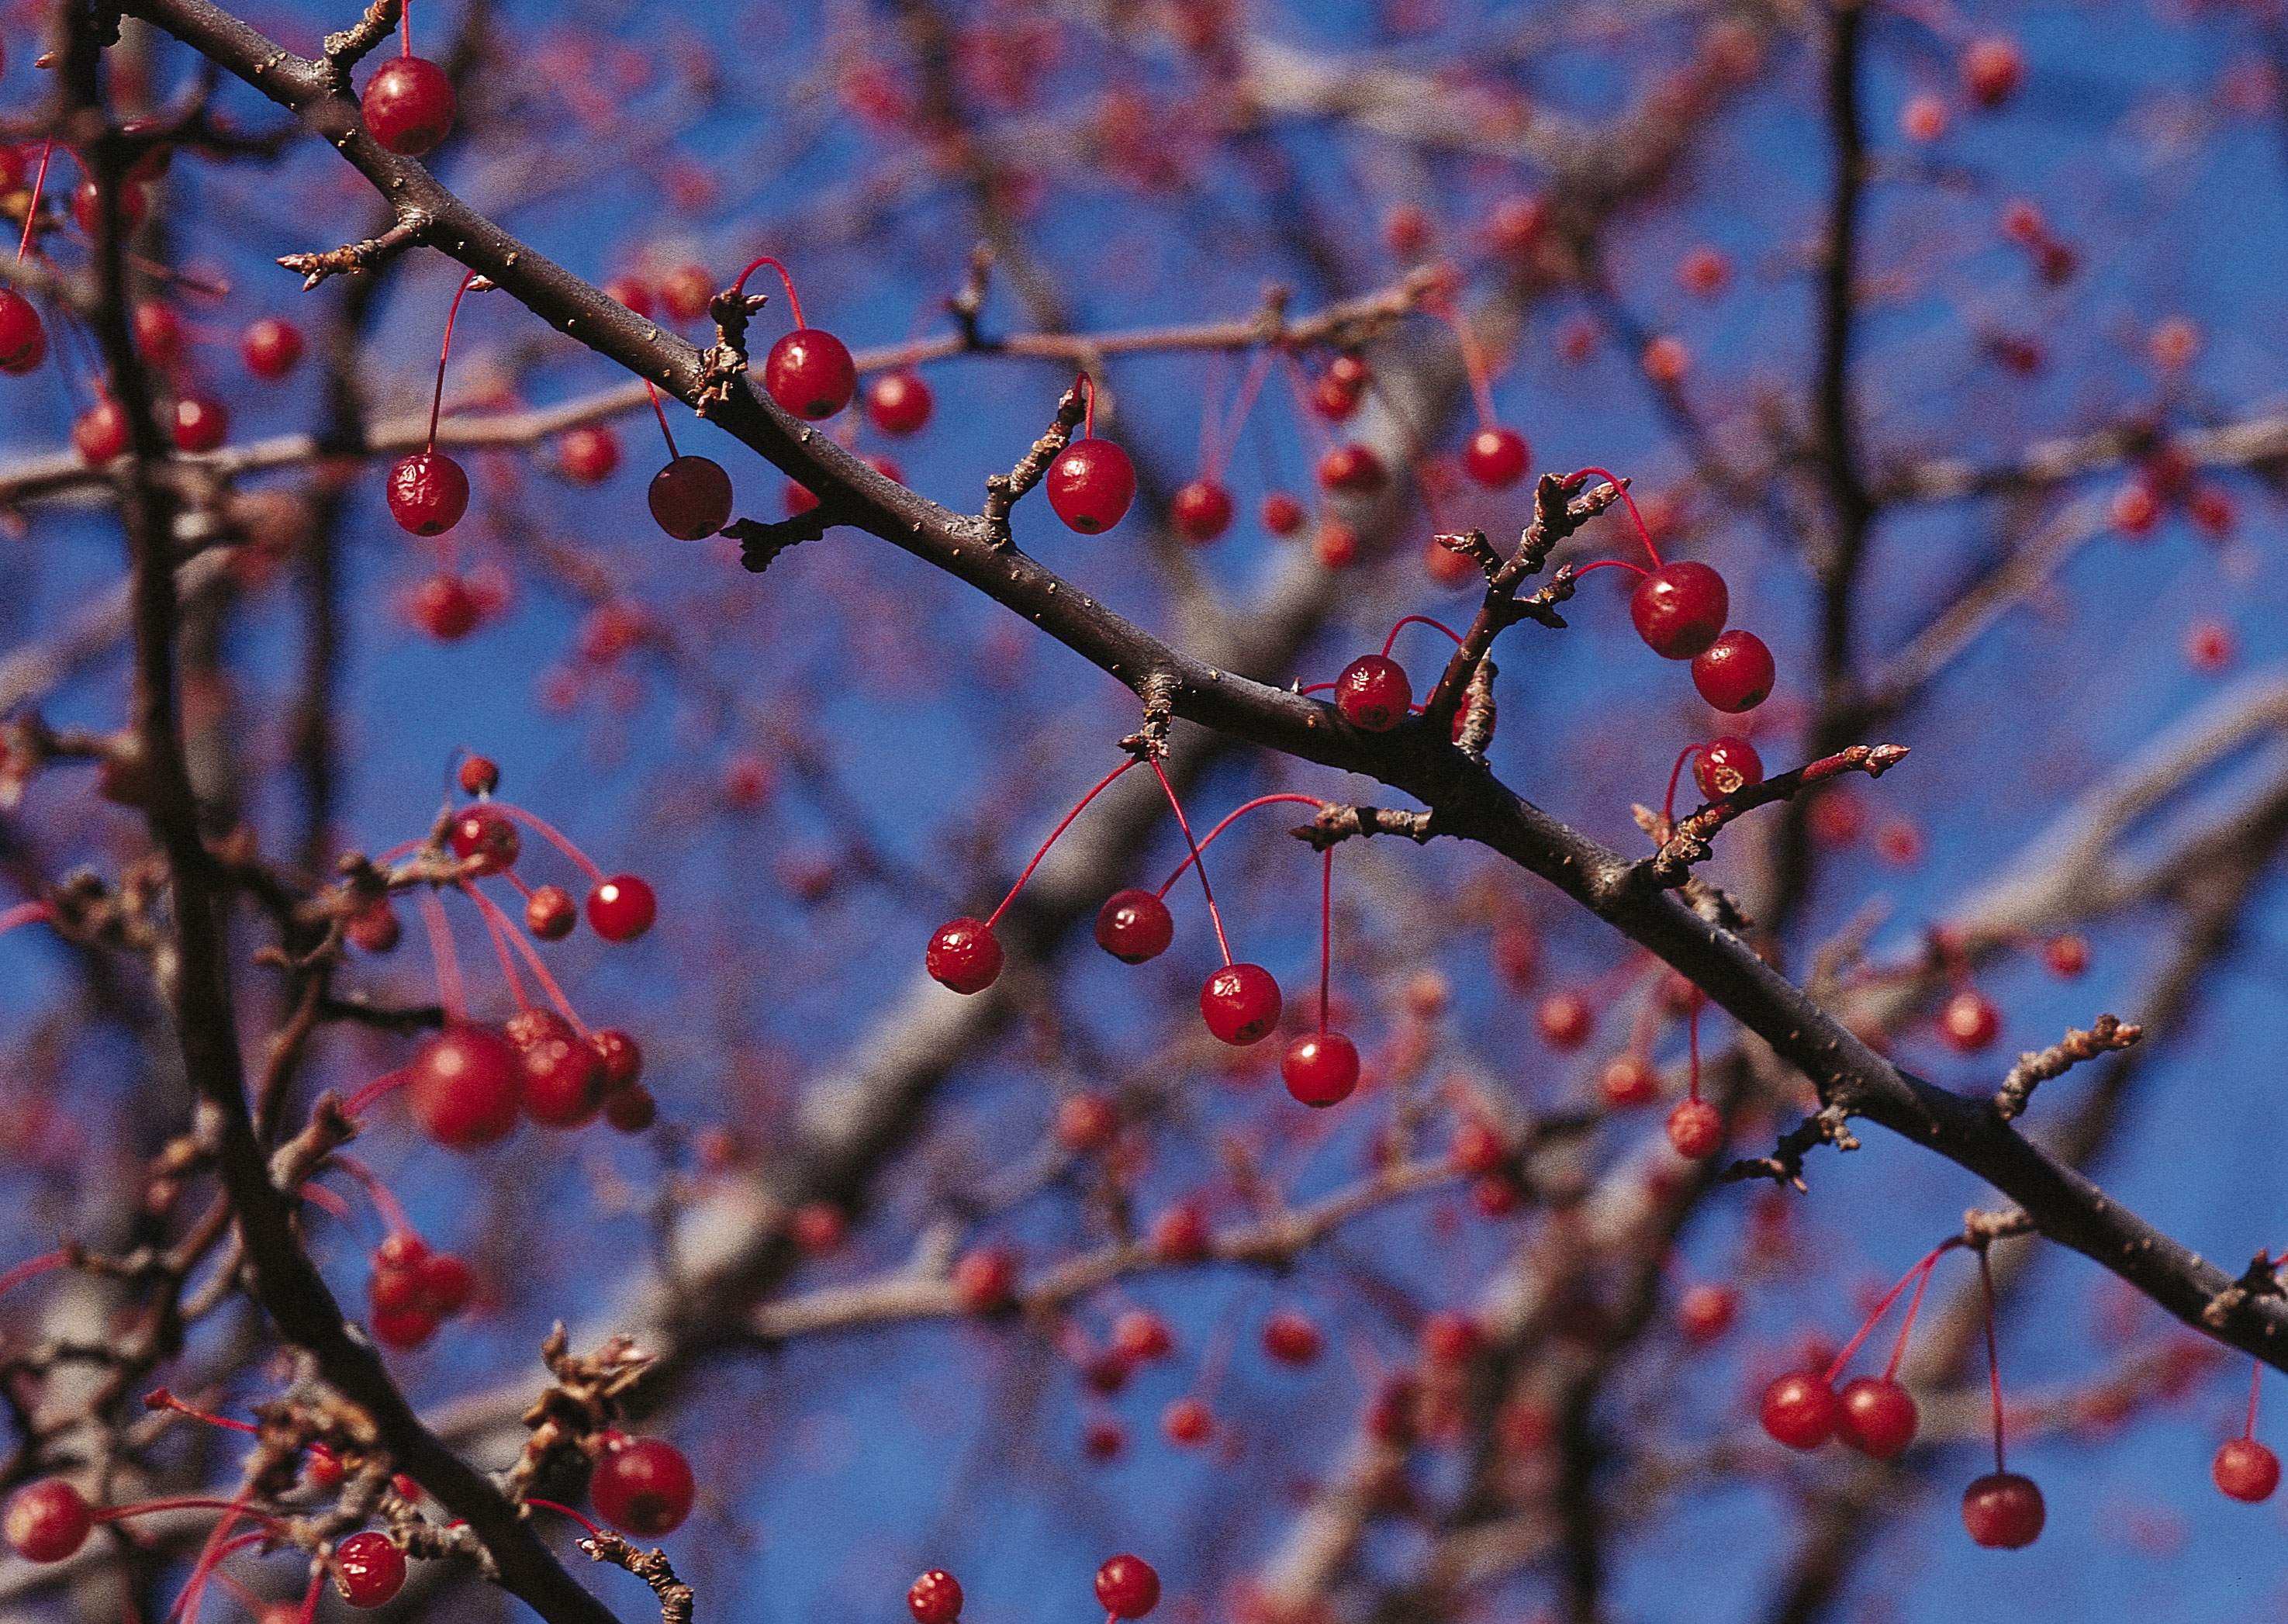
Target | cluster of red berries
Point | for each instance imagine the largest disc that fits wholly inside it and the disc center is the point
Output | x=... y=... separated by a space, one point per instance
x=412 y=1290
x=1127 y=1587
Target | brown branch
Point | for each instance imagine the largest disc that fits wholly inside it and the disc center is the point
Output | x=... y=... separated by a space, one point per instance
x=1002 y=491
x=676 y=1598
x=2035 y=1066
x=315 y=268
x=1335 y=824
x=1688 y=843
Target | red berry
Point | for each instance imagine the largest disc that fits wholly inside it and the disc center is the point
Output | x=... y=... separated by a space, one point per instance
x=1564 y=1020
x=1086 y=1123
x=368 y=1569
x=1495 y=457
x=1140 y=1335
x=1321 y=1068
x=964 y=954
x=1134 y=926
x=99 y=433
x=1373 y=693
x=934 y=1599
x=48 y=1520
x=1090 y=485
x=549 y=912
x=642 y=1485
x=633 y=292
x=159 y=332
x=1725 y=766
x=402 y=1328
x=1705 y=270
x=687 y=292
x=2067 y=956
x=622 y=1055
x=134 y=204
x=2003 y=1511
x=563 y=1074
x=1628 y=1080
x=1968 y=1021
x=1201 y=510
x=1291 y=1339
x=1336 y=546
x=1800 y=1409
x=1695 y=1128
x=1180 y=1235
x=1282 y=514
x=1354 y=469
x=691 y=497
x=270 y=348
x=809 y=373
x=1679 y=608
x=374 y=927
x=1876 y=1416
x=898 y=403
x=467 y=1087
x=1127 y=1587
x=446 y=1283
x=632 y=1109
x=1477 y=1147
x=622 y=907
x=1451 y=1339
x=2245 y=1469
x=202 y=423
x=23 y=340
x=408 y=105
x=1705 y=1313
x=819 y=1227
x=1240 y=1003
x=444 y=607
x=1991 y=69
x=588 y=454
x=1186 y=1422
x=1517 y=223
x=478 y=775
x=1734 y=672
x=485 y=841
x=985 y=1280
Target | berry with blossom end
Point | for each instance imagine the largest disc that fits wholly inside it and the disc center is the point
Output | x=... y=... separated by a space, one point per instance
x=2245 y=1469
x=1201 y=510
x=1128 y=1587
x=1320 y=1068
x=1495 y=457
x=1695 y=1130
x=1373 y=693
x=1968 y=1021
x=408 y=105
x=368 y=1568
x=589 y=454
x=1679 y=608
x=2003 y=1511
x=1291 y=1339
x=201 y=423
x=1354 y=469
x=564 y=1078
x=23 y=340
x=934 y=1599
x=428 y=493
x=48 y=1521
x=642 y=1485
x=485 y=841
x=549 y=912
x=465 y=1087
x=270 y=348
x=898 y=403
x=809 y=373
x=1090 y=485
x=1134 y=926
x=964 y=954
x=1726 y=765
x=1800 y=1409
x=622 y=907
x=622 y=1055
x=1735 y=673
x=691 y=498
x=1240 y=1003
x=1876 y=1416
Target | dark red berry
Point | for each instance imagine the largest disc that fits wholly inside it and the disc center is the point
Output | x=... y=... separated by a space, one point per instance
x=1705 y=1313
x=1090 y=485
x=1241 y=1003
x=368 y=1569
x=622 y=907
x=1680 y=609
x=159 y=333
x=1876 y=1416
x=1354 y=469
x=1134 y=926
x=202 y=423
x=1180 y=1235
x=622 y=1055
x=23 y=340
x=691 y=497
x=1628 y=1080
x=444 y=607
x=1495 y=457
x=485 y=841
x=1695 y=1130
x=588 y=454
x=687 y=292
x=1282 y=514
x=1800 y=1409
x=1201 y=510
x=1565 y=1021
x=985 y=1280
x=1141 y=1336
x=1991 y=69
x=270 y=348
x=964 y=954
x=1086 y=1123
x=2003 y=1511
x=1449 y=1339
x=2245 y=1469
x=632 y=1109
x=408 y=105
x=934 y=1599
x=48 y=1520
x=563 y=1074
x=1727 y=765
x=1968 y=1021
x=642 y=1485
x=1320 y=1068
x=1291 y=1339
x=898 y=403
x=1186 y=1422
x=99 y=433
x=549 y=912
x=809 y=373
x=1373 y=693
x=374 y=927
x=465 y=1087
x=1734 y=672
x=134 y=204
x=1127 y=1587
x=446 y=1285
x=478 y=775
x=2067 y=956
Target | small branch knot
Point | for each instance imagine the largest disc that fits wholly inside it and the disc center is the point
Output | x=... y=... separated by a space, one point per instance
x=1335 y=824
x=1150 y=742
x=2036 y=1067
x=1828 y=1125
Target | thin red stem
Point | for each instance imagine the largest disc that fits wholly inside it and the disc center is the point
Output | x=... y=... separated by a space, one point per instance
x=112 y=1513
x=1874 y=1318
x=1422 y=620
x=32 y=209
x=354 y=1106
x=532 y=960
x=1088 y=415
x=161 y=1399
x=326 y=1200
x=1692 y=1032
x=1315 y=428
x=1634 y=569
x=550 y=1505
x=1668 y=803
x=553 y=838
x=1914 y=1306
x=1993 y=1359
x=1218 y=456
x=500 y=946
x=437 y=400
x=1579 y=475
x=405 y=20
x=25 y=914
x=1264 y=800
x=31 y=1268
x=794 y=301
x=1326 y=929
x=661 y=412
x=517 y=880
x=449 y=990
x=393 y=1214
x=2255 y=1386
x=1474 y=362
x=1215 y=914
x=1102 y=785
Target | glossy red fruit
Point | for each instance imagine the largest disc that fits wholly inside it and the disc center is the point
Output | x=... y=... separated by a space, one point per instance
x=446 y=1284
x=1449 y=1339
x=1354 y=470
x=1968 y=1021
x=134 y=205
x=1127 y=1587
x=1735 y=673
x=2067 y=956
x=1373 y=693
x=549 y=912
x=2003 y=1511
x=1180 y=1235
x=270 y=348
x=898 y=403
x=622 y=1055
x=1134 y=926
x=465 y=1087
x=408 y=105
x=1320 y=1068
x=48 y=1521
x=934 y=1599
x=1240 y=1003
x=1628 y=1080
x=642 y=1485
x=1086 y=1123
x=159 y=332
x=1291 y=1339
x=402 y=1328
x=2245 y=1469
x=485 y=840
x=1992 y=71
x=588 y=454
x=23 y=340
x=1495 y=457
x=1282 y=514
x=687 y=292
x=632 y=1109
x=1091 y=483
x=368 y=1569
x=1876 y=1416
x=1726 y=764
x=1476 y=1147
x=1695 y=1130
x=1800 y=1409
x=985 y=1280
x=1679 y=608
x=1705 y=1313
x=622 y=907
x=478 y=775
x=1565 y=1021
x=429 y=493
x=1201 y=510
x=691 y=497
x=809 y=373
x=563 y=1074
x=99 y=433
x=202 y=423
x=444 y=607
x=964 y=954
x=1186 y=1422
x=1141 y=1336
